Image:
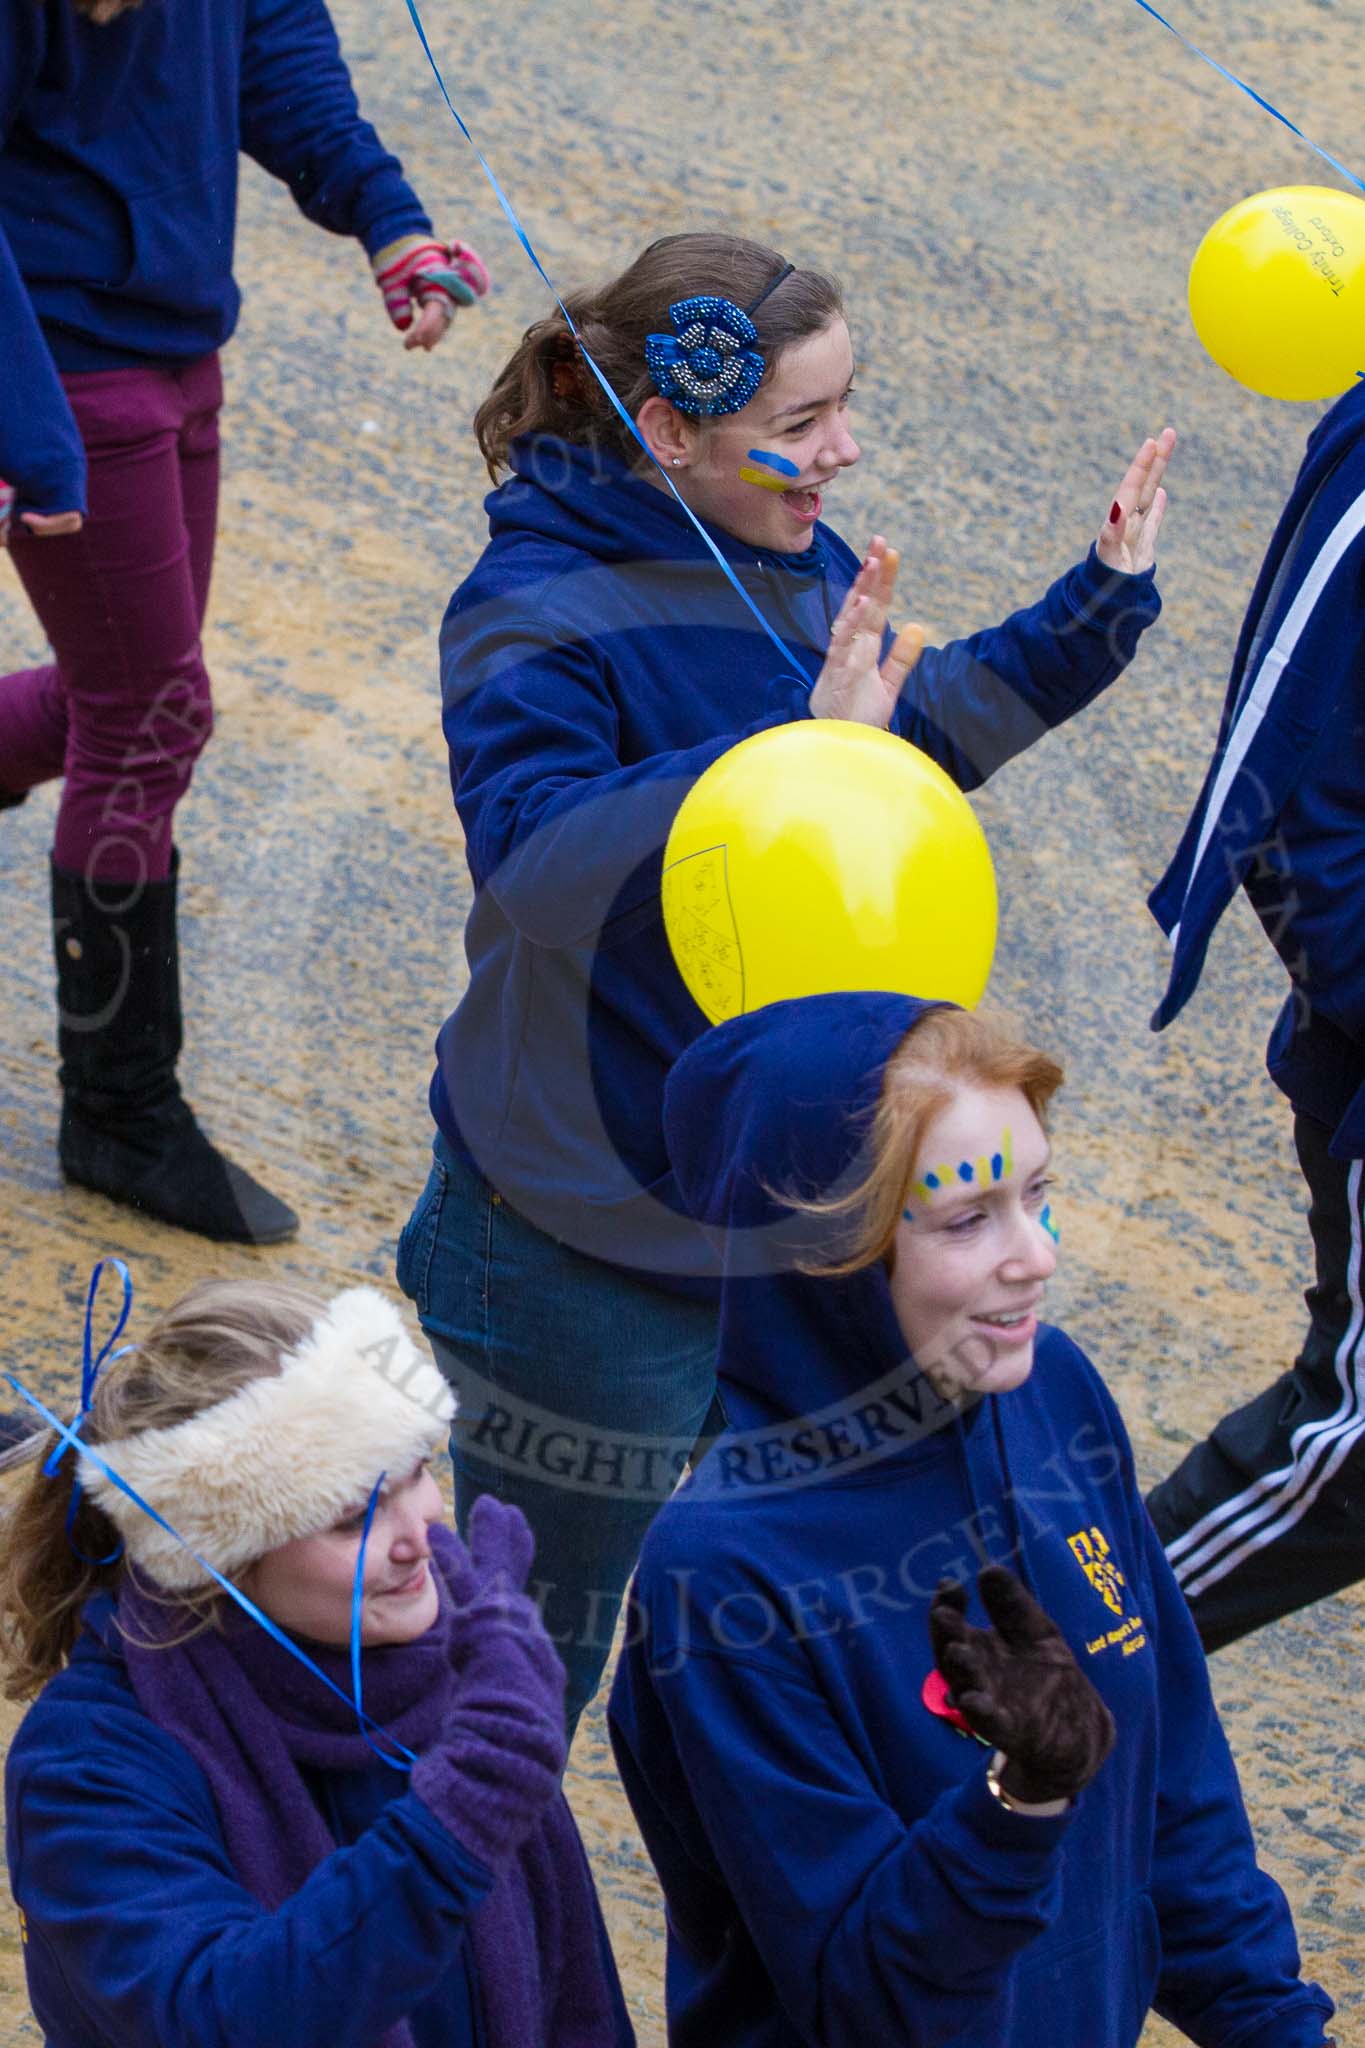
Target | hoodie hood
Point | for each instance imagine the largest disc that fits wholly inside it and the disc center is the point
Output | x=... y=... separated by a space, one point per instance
x=778 y=1104
x=588 y=498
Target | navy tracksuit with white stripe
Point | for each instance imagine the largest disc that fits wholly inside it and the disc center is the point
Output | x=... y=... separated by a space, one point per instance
x=1268 y=1514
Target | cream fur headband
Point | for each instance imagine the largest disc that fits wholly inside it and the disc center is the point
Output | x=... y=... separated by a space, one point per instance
x=285 y=1456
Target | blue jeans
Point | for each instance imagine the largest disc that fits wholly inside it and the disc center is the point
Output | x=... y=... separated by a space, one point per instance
x=582 y=1394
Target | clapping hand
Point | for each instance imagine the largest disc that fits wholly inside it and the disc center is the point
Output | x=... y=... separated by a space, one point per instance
x=495 y=1769
x=489 y=1592
x=1019 y=1686
x=1127 y=539
x=855 y=683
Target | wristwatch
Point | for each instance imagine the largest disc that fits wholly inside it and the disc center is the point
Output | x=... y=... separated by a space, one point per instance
x=1046 y=1809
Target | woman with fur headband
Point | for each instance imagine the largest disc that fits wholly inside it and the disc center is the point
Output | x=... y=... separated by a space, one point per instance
x=212 y=1837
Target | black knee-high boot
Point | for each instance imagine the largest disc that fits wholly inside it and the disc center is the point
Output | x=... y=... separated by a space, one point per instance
x=127 y=1131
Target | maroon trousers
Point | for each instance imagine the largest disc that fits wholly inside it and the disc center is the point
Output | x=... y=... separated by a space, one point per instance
x=124 y=710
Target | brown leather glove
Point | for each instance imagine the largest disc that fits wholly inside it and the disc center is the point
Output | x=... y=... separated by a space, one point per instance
x=1020 y=1687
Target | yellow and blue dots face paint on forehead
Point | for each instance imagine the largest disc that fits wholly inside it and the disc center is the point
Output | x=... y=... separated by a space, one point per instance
x=984 y=1171
x=980 y=1172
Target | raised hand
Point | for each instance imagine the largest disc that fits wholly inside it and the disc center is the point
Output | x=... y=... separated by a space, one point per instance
x=434 y=278
x=501 y=1545
x=1019 y=1686
x=495 y=1768
x=1127 y=539
x=854 y=682
x=490 y=1590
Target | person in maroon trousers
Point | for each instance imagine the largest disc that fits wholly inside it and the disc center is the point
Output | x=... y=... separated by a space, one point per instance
x=121 y=123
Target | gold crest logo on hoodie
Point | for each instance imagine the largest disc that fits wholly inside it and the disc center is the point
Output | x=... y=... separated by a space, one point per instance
x=1091 y=1551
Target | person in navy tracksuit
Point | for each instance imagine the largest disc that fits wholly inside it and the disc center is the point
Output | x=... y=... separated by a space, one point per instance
x=595 y=662
x=1268 y=1513
x=911 y=1713
x=121 y=125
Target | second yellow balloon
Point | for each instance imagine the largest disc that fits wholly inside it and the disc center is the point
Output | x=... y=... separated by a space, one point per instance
x=1277 y=291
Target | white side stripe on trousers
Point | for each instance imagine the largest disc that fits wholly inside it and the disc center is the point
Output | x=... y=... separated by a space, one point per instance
x=1257 y=700
x=1255 y=1518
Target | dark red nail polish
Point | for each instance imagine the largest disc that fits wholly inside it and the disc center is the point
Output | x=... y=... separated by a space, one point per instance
x=1115 y=513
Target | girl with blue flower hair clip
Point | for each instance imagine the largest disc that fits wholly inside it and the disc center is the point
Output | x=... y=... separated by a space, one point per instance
x=658 y=584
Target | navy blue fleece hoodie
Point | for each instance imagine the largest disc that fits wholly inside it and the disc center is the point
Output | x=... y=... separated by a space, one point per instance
x=139 y=1933
x=834 y=1865
x=137 y=1929
x=593 y=665
x=118 y=192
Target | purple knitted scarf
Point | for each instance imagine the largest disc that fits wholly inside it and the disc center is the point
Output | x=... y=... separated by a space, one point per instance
x=250 y=1715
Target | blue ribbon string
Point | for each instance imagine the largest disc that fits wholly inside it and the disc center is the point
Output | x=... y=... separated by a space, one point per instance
x=357 y=1600
x=519 y=231
x=90 y=1366
x=70 y=1441
x=90 y=1372
x=1252 y=94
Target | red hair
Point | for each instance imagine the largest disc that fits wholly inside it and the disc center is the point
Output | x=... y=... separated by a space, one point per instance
x=945 y=1051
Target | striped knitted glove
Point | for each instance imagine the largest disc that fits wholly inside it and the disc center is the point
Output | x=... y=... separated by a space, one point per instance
x=414 y=269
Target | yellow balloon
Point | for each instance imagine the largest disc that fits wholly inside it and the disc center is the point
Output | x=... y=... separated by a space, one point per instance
x=1277 y=291
x=825 y=856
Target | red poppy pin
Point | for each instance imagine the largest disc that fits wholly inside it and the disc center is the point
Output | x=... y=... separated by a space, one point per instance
x=937 y=1698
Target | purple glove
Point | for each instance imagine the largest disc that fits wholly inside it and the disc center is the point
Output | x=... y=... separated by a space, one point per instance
x=1019 y=1686
x=497 y=1766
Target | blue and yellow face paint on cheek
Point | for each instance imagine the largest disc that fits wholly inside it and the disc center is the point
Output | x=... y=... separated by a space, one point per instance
x=770 y=472
x=1049 y=1226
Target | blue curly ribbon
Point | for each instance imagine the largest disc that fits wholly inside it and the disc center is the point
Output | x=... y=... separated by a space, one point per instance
x=519 y=231
x=90 y=1366
x=70 y=1441
x=90 y=1372
x=1251 y=93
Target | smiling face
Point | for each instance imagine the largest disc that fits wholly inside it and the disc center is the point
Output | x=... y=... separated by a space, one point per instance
x=799 y=416
x=306 y=1585
x=973 y=1253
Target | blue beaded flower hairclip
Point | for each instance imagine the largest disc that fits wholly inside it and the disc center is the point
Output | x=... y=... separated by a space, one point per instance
x=708 y=365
